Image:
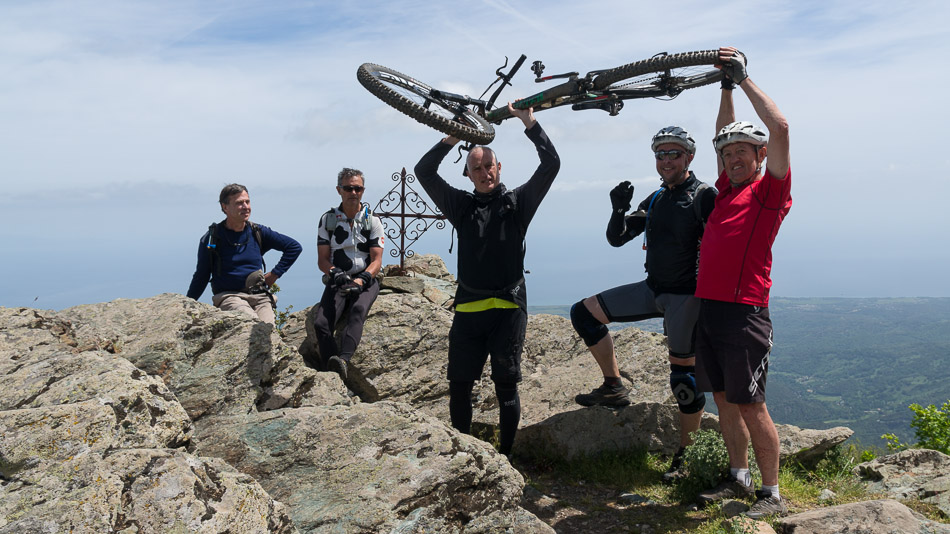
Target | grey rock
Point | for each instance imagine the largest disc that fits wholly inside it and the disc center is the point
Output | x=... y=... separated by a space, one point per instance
x=748 y=525
x=381 y=467
x=147 y=413
x=425 y=275
x=428 y=265
x=733 y=508
x=827 y=495
x=869 y=517
x=216 y=362
x=585 y=431
x=910 y=474
x=650 y=425
x=808 y=446
x=403 y=284
x=64 y=469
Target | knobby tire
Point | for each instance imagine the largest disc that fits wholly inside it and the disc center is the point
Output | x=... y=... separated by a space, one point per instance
x=386 y=84
x=662 y=63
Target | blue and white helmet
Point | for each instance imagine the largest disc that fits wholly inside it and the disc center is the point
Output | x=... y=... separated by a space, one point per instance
x=676 y=135
x=740 y=132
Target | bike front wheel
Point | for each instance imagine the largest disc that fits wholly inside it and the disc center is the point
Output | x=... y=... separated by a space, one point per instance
x=415 y=99
x=661 y=75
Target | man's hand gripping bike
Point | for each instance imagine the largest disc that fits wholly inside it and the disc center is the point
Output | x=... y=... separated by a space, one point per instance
x=470 y=119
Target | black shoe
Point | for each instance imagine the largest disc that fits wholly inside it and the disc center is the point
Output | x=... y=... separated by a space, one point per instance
x=605 y=396
x=337 y=365
x=675 y=472
x=727 y=489
x=766 y=505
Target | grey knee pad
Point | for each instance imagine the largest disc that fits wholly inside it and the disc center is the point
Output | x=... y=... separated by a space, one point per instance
x=683 y=384
x=587 y=326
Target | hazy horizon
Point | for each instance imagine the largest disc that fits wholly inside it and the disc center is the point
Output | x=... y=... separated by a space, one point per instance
x=123 y=120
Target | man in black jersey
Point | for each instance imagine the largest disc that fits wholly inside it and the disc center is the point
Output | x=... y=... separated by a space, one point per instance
x=491 y=303
x=671 y=219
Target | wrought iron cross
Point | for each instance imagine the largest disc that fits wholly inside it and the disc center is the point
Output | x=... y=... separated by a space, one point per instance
x=415 y=216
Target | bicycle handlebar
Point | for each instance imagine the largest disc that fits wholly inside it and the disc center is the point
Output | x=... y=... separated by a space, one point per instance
x=505 y=78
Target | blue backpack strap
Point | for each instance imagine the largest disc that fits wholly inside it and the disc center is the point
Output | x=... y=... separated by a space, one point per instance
x=212 y=247
x=646 y=223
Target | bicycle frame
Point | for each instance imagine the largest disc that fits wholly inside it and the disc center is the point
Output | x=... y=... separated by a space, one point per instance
x=587 y=92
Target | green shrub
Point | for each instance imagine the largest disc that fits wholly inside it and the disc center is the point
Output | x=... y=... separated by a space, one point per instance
x=280 y=316
x=931 y=427
x=706 y=463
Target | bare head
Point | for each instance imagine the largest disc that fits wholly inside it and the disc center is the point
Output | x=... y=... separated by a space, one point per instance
x=483 y=169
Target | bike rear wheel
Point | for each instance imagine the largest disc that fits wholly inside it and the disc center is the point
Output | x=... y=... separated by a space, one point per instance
x=414 y=98
x=662 y=75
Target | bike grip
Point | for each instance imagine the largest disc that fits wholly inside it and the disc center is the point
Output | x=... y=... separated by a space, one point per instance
x=517 y=65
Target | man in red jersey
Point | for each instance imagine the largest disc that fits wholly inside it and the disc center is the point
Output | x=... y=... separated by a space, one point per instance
x=734 y=332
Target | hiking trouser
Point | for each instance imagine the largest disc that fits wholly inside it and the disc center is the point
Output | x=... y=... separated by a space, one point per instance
x=334 y=305
x=474 y=336
x=258 y=306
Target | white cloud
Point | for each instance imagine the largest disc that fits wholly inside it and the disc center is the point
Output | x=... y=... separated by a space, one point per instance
x=114 y=97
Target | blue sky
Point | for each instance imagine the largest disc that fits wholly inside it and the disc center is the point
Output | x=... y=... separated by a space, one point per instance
x=123 y=119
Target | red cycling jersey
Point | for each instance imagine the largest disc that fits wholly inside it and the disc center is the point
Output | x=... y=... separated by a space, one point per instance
x=735 y=258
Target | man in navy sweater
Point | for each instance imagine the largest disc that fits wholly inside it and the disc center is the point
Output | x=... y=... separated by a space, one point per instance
x=231 y=256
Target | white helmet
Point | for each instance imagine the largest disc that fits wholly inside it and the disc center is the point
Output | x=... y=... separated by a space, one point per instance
x=676 y=135
x=740 y=132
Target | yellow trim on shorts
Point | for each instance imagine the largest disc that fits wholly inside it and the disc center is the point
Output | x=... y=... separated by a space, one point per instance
x=485 y=304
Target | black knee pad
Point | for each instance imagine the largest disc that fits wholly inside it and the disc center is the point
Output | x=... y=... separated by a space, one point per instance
x=587 y=326
x=683 y=384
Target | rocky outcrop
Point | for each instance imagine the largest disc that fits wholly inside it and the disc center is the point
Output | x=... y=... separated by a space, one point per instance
x=90 y=443
x=807 y=447
x=869 y=517
x=922 y=474
x=652 y=426
x=380 y=467
x=167 y=415
x=123 y=416
x=585 y=431
x=216 y=363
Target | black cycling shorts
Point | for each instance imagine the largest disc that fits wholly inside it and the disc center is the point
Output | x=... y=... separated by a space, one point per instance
x=476 y=335
x=733 y=344
x=636 y=302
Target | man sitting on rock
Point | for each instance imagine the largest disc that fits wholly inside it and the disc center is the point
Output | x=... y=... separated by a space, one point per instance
x=350 y=245
x=490 y=304
x=231 y=256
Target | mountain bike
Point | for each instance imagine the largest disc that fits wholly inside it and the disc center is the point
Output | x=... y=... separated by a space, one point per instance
x=470 y=119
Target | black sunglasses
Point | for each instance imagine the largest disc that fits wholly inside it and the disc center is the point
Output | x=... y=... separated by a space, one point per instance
x=668 y=155
x=352 y=188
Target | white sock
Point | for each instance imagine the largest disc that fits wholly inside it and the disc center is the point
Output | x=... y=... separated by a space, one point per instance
x=742 y=475
x=773 y=490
